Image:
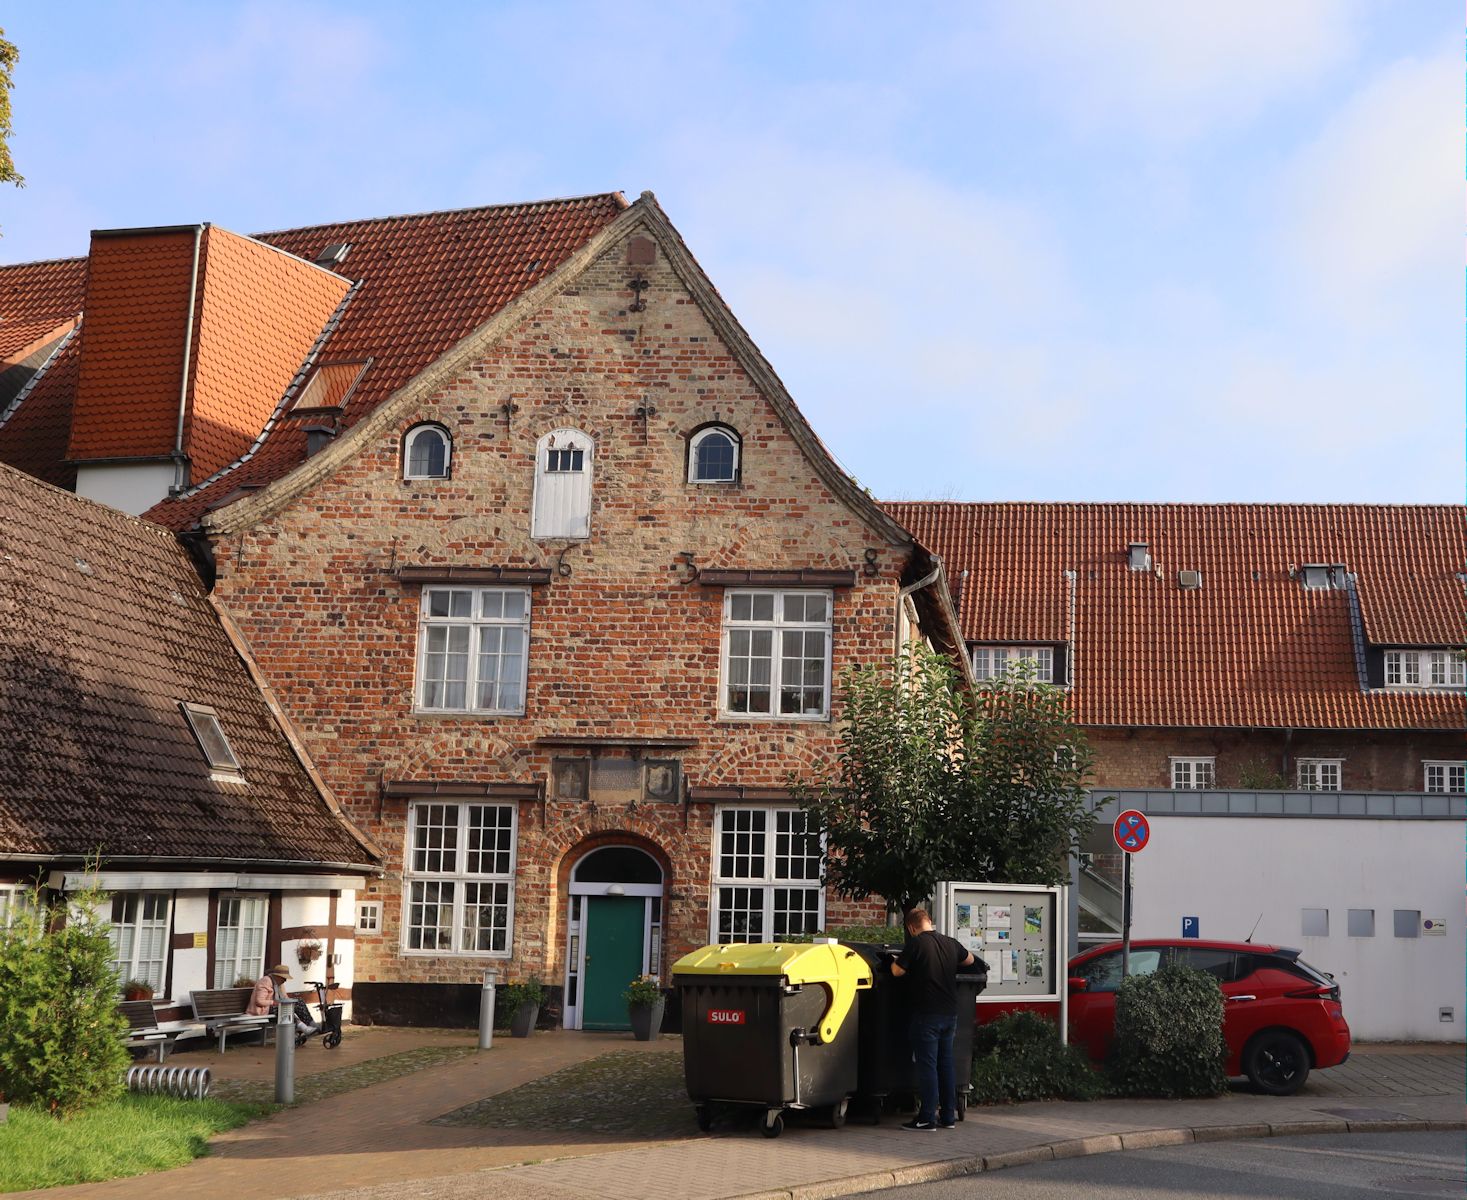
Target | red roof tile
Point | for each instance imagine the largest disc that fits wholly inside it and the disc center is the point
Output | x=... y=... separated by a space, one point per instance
x=36 y=299
x=426 y=281
x=1251 y=647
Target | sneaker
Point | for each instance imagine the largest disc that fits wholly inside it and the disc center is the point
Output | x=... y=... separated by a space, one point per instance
x=917 y=1126
x=947 y=1124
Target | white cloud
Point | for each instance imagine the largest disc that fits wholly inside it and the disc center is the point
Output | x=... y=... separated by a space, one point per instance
x=1370 y=216
x=1173 y=69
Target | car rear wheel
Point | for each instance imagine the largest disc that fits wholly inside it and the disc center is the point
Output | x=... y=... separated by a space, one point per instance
x=1277 y=1063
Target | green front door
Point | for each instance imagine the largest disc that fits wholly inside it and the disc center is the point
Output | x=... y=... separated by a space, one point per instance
x=615 y=930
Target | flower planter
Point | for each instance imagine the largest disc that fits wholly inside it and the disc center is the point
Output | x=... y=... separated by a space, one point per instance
x=523 y=1020
x=647 y=1019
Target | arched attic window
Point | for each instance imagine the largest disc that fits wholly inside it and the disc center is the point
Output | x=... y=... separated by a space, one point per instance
x=562 y=505
x=427 y=452
x=713 y=455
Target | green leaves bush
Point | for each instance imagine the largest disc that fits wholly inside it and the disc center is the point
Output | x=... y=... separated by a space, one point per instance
x=876 y=935
x=1020 y=1057
x=1168 y=1036
x=60 y=1032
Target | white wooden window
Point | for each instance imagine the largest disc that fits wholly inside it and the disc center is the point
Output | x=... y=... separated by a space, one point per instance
x=713 y=455
x=139 y=936
x=1319 y=774
x=766 y=876
x=776 y=654
x=427 y=453
x=1447 y=777
x=459 y=879
x=369 y=916
x=473 y=649
x=994 y=662
x=239 y=938
x=563 y=471
x=1425 y=668
x=13 y=901
x=1194 y=774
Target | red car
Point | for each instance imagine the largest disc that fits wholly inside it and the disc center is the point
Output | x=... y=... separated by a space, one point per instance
x=1281 y=1017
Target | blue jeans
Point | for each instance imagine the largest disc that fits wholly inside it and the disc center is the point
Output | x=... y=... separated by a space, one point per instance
x=932 y=1051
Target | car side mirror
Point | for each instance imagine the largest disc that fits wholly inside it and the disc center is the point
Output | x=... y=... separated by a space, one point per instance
x=1078 y=985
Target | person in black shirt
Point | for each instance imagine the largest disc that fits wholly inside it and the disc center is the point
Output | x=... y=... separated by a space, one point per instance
x=929 y=962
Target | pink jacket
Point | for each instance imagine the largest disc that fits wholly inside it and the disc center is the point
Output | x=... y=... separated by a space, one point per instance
x=262 y=999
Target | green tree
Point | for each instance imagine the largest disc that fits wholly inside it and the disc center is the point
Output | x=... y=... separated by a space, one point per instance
x=935 y=782
x=61 y=1043
x=8 y=56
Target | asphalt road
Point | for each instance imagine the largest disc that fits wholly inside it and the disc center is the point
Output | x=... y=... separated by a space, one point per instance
x=1320 y=1167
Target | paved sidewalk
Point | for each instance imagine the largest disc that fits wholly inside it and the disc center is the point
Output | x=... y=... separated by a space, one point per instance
x=375 y=1143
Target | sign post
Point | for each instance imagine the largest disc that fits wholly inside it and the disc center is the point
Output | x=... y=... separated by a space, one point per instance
x=1132 y=832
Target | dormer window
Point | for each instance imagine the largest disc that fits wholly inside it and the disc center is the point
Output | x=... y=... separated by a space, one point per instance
x=994 y=662
x=204 y=722
x=1425 y=668
x=1321 y=577
x=713 y=455
x=426 y=453
x=563 y=467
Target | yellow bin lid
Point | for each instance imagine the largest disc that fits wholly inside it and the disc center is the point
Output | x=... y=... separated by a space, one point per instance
x=838 y=968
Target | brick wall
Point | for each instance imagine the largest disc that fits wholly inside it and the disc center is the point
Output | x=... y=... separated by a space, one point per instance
x=621 y=643
x=1373 y=761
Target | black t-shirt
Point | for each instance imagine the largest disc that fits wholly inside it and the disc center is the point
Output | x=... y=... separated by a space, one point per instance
x=931 y=961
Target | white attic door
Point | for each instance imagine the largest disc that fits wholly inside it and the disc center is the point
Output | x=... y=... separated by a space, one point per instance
x=562 y=504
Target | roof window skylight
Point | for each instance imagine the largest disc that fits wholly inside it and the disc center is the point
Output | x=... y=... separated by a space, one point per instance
x=204 y=722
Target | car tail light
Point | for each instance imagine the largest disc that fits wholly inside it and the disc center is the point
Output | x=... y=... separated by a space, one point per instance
x=1316 y=993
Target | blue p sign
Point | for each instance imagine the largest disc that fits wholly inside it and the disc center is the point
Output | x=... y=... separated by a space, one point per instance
x=1191 y=927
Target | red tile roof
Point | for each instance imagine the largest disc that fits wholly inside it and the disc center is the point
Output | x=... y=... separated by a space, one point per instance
x=35 y=300
x=104 y=628
x=1251 y=647
x=426 y=281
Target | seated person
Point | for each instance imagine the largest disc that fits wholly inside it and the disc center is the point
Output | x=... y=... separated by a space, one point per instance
x=270 y=991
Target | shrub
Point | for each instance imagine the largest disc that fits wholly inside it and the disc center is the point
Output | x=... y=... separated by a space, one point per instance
x=1020 y=1057
x=1168 y=1035
x=516 y=995
x=644 y=989
x=60 y=1032
x=880 y=935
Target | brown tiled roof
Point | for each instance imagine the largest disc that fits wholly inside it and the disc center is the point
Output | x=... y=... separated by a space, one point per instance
x=1252 y=646
x=36 y=299
x=104 y=629
x=426 y=282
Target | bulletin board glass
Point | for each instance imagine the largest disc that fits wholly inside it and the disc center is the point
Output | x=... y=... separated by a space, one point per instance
x=1017 y=929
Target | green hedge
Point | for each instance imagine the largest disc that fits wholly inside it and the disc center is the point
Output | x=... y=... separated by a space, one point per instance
x=1020 y=1057
x=881 y=935
x=1168 y=1036
x=61 y=1035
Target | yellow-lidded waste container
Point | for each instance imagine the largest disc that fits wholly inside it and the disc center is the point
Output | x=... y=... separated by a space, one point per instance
x=770 y=1025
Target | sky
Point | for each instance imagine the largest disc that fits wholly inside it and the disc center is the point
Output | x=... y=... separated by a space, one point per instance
x=1141 y=250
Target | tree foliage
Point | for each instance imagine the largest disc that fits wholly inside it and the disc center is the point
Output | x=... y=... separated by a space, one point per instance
x=60 y=1031
x=8 y=57
x=934 y=782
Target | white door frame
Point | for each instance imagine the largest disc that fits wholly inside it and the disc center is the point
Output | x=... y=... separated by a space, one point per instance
x=577 y=930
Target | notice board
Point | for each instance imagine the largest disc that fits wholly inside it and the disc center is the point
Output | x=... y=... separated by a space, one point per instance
x=1017 y=929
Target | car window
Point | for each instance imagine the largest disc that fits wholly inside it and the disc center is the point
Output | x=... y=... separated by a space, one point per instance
x=1222 y=965
x=1103 y=973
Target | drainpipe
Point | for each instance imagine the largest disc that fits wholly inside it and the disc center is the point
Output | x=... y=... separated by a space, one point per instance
x=179 y=482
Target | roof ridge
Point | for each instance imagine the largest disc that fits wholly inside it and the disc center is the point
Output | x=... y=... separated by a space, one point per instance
x=106 y=509
x=447 y=212
x=44 y=262
x=1291 y=504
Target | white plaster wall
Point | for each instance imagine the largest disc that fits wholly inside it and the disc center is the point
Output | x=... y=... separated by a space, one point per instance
x=190 y=966
x=132 y=487
x=1229 y=870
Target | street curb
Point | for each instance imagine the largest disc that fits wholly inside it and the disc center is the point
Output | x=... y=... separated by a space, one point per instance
x=1108 y=1143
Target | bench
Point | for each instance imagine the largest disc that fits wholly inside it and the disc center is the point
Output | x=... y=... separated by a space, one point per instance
x=222 y=1010
x=143 y=1029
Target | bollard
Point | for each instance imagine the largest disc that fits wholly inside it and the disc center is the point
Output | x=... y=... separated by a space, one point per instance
x=285 y=1052
x=486 y=1011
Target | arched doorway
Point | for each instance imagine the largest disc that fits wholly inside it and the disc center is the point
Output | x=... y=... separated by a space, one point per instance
x=614 y=933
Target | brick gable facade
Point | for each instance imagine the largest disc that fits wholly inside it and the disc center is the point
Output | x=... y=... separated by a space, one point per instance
x=625 y=637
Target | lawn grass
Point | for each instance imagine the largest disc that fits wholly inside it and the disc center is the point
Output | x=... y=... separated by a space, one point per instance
x=129 y=1136
x=634 y=1092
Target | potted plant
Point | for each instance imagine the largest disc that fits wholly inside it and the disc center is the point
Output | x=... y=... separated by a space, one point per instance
x=522 y=1001
x=137 y=989
x=309 y=950
x=645 y=1003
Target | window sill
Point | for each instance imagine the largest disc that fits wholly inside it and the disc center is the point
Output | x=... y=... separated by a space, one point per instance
x=495 y=954
x=728 y=718
x=467 y=715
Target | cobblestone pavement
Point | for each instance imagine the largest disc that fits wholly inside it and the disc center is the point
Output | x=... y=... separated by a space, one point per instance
x=377 y=1142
